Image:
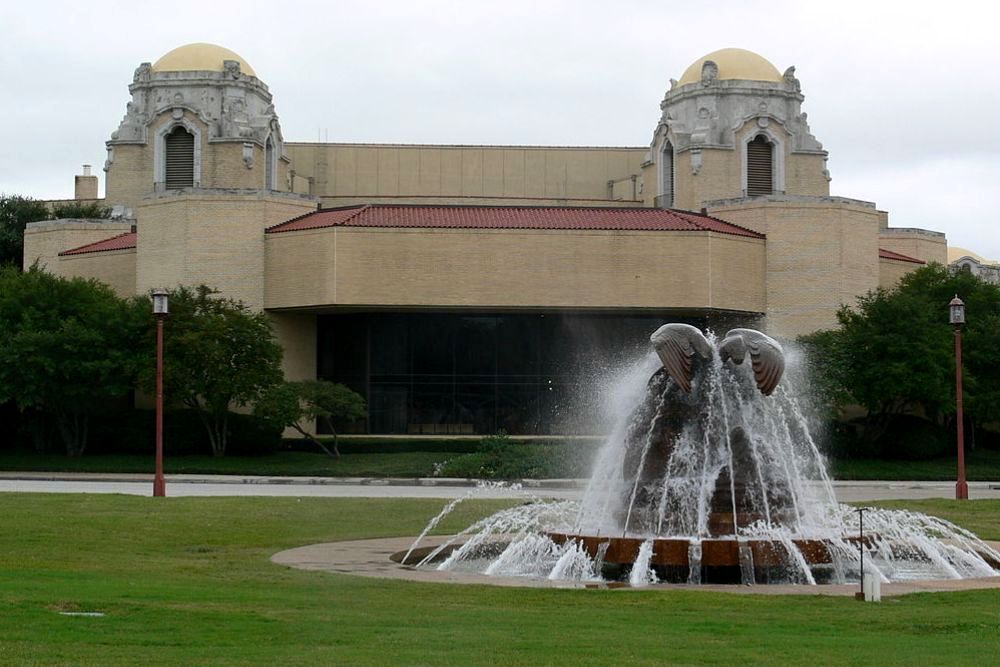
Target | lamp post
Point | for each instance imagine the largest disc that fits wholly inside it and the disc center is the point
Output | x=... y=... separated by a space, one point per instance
x=956 y=310
x=160 y=311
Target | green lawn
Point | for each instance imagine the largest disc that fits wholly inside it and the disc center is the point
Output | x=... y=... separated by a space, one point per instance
x=187 y=581
x=378 y=464
x=980 y=465
x=406 y=460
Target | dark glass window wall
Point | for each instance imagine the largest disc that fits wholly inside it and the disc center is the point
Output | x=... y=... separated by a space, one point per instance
x=447 y=373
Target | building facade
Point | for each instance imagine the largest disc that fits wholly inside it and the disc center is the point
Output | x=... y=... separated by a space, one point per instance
x=463 y=289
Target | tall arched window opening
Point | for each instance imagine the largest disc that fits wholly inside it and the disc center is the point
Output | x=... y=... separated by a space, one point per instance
x=760 y=167
x=667 y=175
x=179 y=159
x=269 y=165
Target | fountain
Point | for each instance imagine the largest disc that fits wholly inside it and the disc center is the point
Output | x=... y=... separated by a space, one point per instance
x=712 y=477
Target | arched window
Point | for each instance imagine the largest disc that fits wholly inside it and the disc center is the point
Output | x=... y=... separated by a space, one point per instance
x=269 y=166
x=667 y=176
x=179 y=159
x=760 y=167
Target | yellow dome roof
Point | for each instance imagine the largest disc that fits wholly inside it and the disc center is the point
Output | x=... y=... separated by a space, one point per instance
x=199 y=58
x=734 y=64
x=956 y=253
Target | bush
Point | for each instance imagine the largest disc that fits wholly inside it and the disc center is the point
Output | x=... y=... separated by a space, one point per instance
x=383 y=445
x=498 y=457
x=134 y=432
x=250 y=436
x=913 y=438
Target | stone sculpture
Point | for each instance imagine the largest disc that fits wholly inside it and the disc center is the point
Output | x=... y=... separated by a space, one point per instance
x=675 y=403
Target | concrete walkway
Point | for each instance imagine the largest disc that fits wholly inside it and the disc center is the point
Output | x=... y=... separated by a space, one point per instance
x=433 y=487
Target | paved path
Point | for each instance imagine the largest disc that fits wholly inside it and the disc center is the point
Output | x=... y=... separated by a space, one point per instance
x=237 y=485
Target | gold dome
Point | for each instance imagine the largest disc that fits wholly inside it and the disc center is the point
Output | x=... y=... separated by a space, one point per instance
x=734 y=64
x=956 y=253
x=199 y=58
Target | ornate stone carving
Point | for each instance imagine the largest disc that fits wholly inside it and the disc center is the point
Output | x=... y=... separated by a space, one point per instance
x=231 y=68
x=133 y=124
x=142 y=73
x=248 y=155
x=731 y=104
x=235 y=119
x=695 y=161
x=110 y=159
x=225 y=106
x=709 y=73
x=791 y=81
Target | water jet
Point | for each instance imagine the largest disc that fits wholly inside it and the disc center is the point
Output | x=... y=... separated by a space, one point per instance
x=713 y=476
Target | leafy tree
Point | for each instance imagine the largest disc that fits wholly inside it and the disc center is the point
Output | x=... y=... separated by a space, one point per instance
x=15 y=213
x=295 y=404
x=75 y=209
x=67 y=347
x=217 y=354
x=894 y=353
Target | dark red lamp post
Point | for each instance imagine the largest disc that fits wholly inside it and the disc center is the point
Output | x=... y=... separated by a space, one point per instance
x=956 y=308
x=160 y=311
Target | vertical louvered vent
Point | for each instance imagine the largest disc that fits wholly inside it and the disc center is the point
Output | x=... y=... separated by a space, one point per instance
x=760 y=180
x=180 y=159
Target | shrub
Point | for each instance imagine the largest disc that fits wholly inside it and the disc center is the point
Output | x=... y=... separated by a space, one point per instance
x=913 y=438
x=498 y=457
x=130 y=431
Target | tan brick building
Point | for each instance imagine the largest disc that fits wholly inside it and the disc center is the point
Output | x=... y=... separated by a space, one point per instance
x=464 y=289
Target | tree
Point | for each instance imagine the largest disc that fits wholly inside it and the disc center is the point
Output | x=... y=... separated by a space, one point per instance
x=68 y=346
x=217 y=354
x=893 y=353
x=295 y=404
x=15 y=213
x=75 y=209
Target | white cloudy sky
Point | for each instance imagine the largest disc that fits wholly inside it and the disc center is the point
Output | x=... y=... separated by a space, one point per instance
x=904 y=95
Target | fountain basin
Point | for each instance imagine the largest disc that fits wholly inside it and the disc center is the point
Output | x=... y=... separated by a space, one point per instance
x=715 y=552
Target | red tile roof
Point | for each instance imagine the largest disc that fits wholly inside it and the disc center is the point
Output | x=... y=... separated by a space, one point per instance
x=888 y=254
x=120 y=242
x=497 y=217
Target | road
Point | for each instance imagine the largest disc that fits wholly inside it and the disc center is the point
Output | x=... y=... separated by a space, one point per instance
x=224 y=485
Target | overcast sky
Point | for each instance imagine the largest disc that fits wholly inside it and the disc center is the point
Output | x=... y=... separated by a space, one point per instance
x=904 y=95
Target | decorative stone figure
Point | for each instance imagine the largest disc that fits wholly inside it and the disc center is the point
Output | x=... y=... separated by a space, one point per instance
x=791 y=81
x=248 y=155
x=235 y=120
x=709 y=73
x=142 y=73
x=231 y=68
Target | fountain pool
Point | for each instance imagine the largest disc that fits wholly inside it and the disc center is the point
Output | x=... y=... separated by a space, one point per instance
x=711 y=476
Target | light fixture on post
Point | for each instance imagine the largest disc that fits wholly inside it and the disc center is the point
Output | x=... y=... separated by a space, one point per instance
x=160 y=311
x=956 y=317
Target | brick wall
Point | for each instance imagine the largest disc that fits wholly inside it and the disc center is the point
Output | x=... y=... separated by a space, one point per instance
x=113 y=267
x=196 y=237
x=514 y=268
x=820 y=254
x=43 y=241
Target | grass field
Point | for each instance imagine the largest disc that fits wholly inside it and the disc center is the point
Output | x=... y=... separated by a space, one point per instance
x=187 y=581
x=981 y=464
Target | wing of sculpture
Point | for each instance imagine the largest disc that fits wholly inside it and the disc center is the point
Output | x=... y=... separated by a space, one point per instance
x=677 y=345
x=766 y=356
